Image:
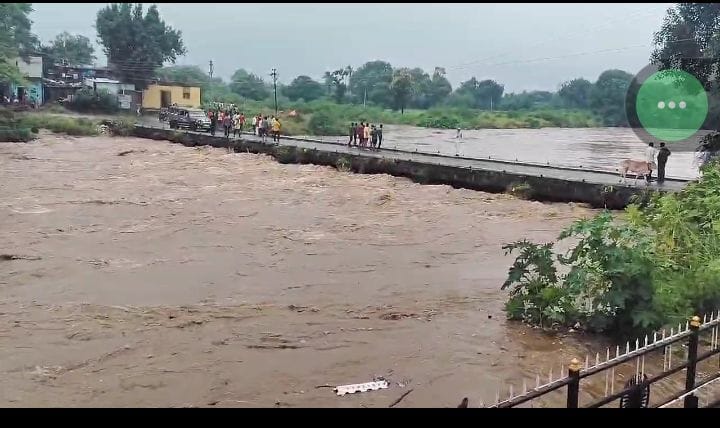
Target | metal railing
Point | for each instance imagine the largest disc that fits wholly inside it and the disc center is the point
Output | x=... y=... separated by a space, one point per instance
x=636 y=393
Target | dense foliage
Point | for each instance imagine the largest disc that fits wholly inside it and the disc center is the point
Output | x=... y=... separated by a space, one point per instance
x=87 y=100
x=15 y=38
x=658 y=265
x=137 y=43
x=69 y=48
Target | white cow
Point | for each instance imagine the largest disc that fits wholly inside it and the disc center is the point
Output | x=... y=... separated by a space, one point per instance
x=636 y=167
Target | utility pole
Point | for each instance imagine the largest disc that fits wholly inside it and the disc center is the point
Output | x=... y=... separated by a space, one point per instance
x=274 y=77
x=211 y=70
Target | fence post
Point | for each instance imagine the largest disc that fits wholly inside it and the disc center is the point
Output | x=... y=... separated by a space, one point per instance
x=691 y=401
x=573 y=394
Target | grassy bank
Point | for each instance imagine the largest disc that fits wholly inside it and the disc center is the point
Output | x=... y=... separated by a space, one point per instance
x=656 y=265
x=78 y=126
x=22 y=127
x=326 y=118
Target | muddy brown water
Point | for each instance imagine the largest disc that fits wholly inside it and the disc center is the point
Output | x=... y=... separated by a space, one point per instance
x=152 y=274
x=594 y=148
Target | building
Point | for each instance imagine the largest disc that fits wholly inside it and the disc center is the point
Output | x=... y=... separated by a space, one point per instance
x=161 y=95
x=31 y=68
x=115 y=87
x=126 y=94
x=62 y=80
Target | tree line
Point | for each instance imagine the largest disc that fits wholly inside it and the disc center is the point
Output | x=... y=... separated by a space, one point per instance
x=377 y=83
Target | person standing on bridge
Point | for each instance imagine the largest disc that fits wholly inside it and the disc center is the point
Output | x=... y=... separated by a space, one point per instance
x=276 y=127
x=650 y=154
x=227 y=123
x=237 y=126
x=379 y=136
x=366 y=134
x=265 y=128
x=213 y=122
x=662 y=158
x=352 y=134
x=254 y=124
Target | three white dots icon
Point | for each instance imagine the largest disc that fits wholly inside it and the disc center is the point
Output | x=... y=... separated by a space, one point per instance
x=671 y=105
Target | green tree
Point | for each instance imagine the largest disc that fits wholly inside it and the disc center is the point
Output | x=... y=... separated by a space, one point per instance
x=402 y=87
x=422 y=89
x=186 y=74
x=372 y=81
x=440 y=87
x=339 y=76
x=303 y=87
x=248 y=85
x=329 y=82
x=16 y=38
x=136 y=44
x=482 y=95
x=689 y=40
x=72 y=49
x=527 y=100
x=576 y=93
x=607 y=97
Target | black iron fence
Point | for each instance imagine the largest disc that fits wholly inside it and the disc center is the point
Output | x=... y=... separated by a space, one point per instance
x=698 y=337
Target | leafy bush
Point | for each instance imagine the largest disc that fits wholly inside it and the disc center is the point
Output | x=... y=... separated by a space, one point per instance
x=521 y=190
x=323 y=123
x=87 y=100
x=120 y=127
x=15 y=135
x=60 y=124
x=11 y=130
x=659 y=265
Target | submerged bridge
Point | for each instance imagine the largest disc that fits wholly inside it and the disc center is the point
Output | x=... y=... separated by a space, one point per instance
x=533 y=181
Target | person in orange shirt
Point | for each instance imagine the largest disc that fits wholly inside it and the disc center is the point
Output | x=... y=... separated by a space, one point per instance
x=366 y=134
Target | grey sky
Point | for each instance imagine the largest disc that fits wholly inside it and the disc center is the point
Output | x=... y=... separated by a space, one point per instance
x=525 y=46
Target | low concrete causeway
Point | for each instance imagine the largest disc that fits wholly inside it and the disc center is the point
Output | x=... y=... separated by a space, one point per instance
x=537 y=182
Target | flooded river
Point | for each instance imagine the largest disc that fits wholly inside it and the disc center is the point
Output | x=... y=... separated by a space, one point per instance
x=141 y=273
x=593 y=148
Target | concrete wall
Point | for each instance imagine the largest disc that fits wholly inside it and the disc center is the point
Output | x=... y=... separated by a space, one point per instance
x=32 y=67
x=539 y=188
x=34 y=90
x=152 y=96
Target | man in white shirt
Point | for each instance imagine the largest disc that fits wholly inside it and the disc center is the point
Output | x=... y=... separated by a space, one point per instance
x=650 y=154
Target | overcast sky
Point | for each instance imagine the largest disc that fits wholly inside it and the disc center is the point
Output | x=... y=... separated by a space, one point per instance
x=525 y=46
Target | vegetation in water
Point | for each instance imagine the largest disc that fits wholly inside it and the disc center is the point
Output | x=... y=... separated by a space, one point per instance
x=658 y=265
x=68 y=125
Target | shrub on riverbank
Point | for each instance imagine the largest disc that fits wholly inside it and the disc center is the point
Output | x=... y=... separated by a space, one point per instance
x=78 y=126
x=11 y=130
x=659 y=265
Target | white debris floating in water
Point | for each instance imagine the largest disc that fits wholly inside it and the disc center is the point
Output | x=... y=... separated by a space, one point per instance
x=361 y=387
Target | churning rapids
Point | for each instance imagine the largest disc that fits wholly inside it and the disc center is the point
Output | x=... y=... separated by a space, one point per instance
x=141 y=273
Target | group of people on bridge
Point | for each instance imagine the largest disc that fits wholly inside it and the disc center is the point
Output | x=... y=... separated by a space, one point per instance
x=233 y=122
x=364 y=134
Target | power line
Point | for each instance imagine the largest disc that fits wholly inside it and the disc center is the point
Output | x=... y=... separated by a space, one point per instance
x=637 y=14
